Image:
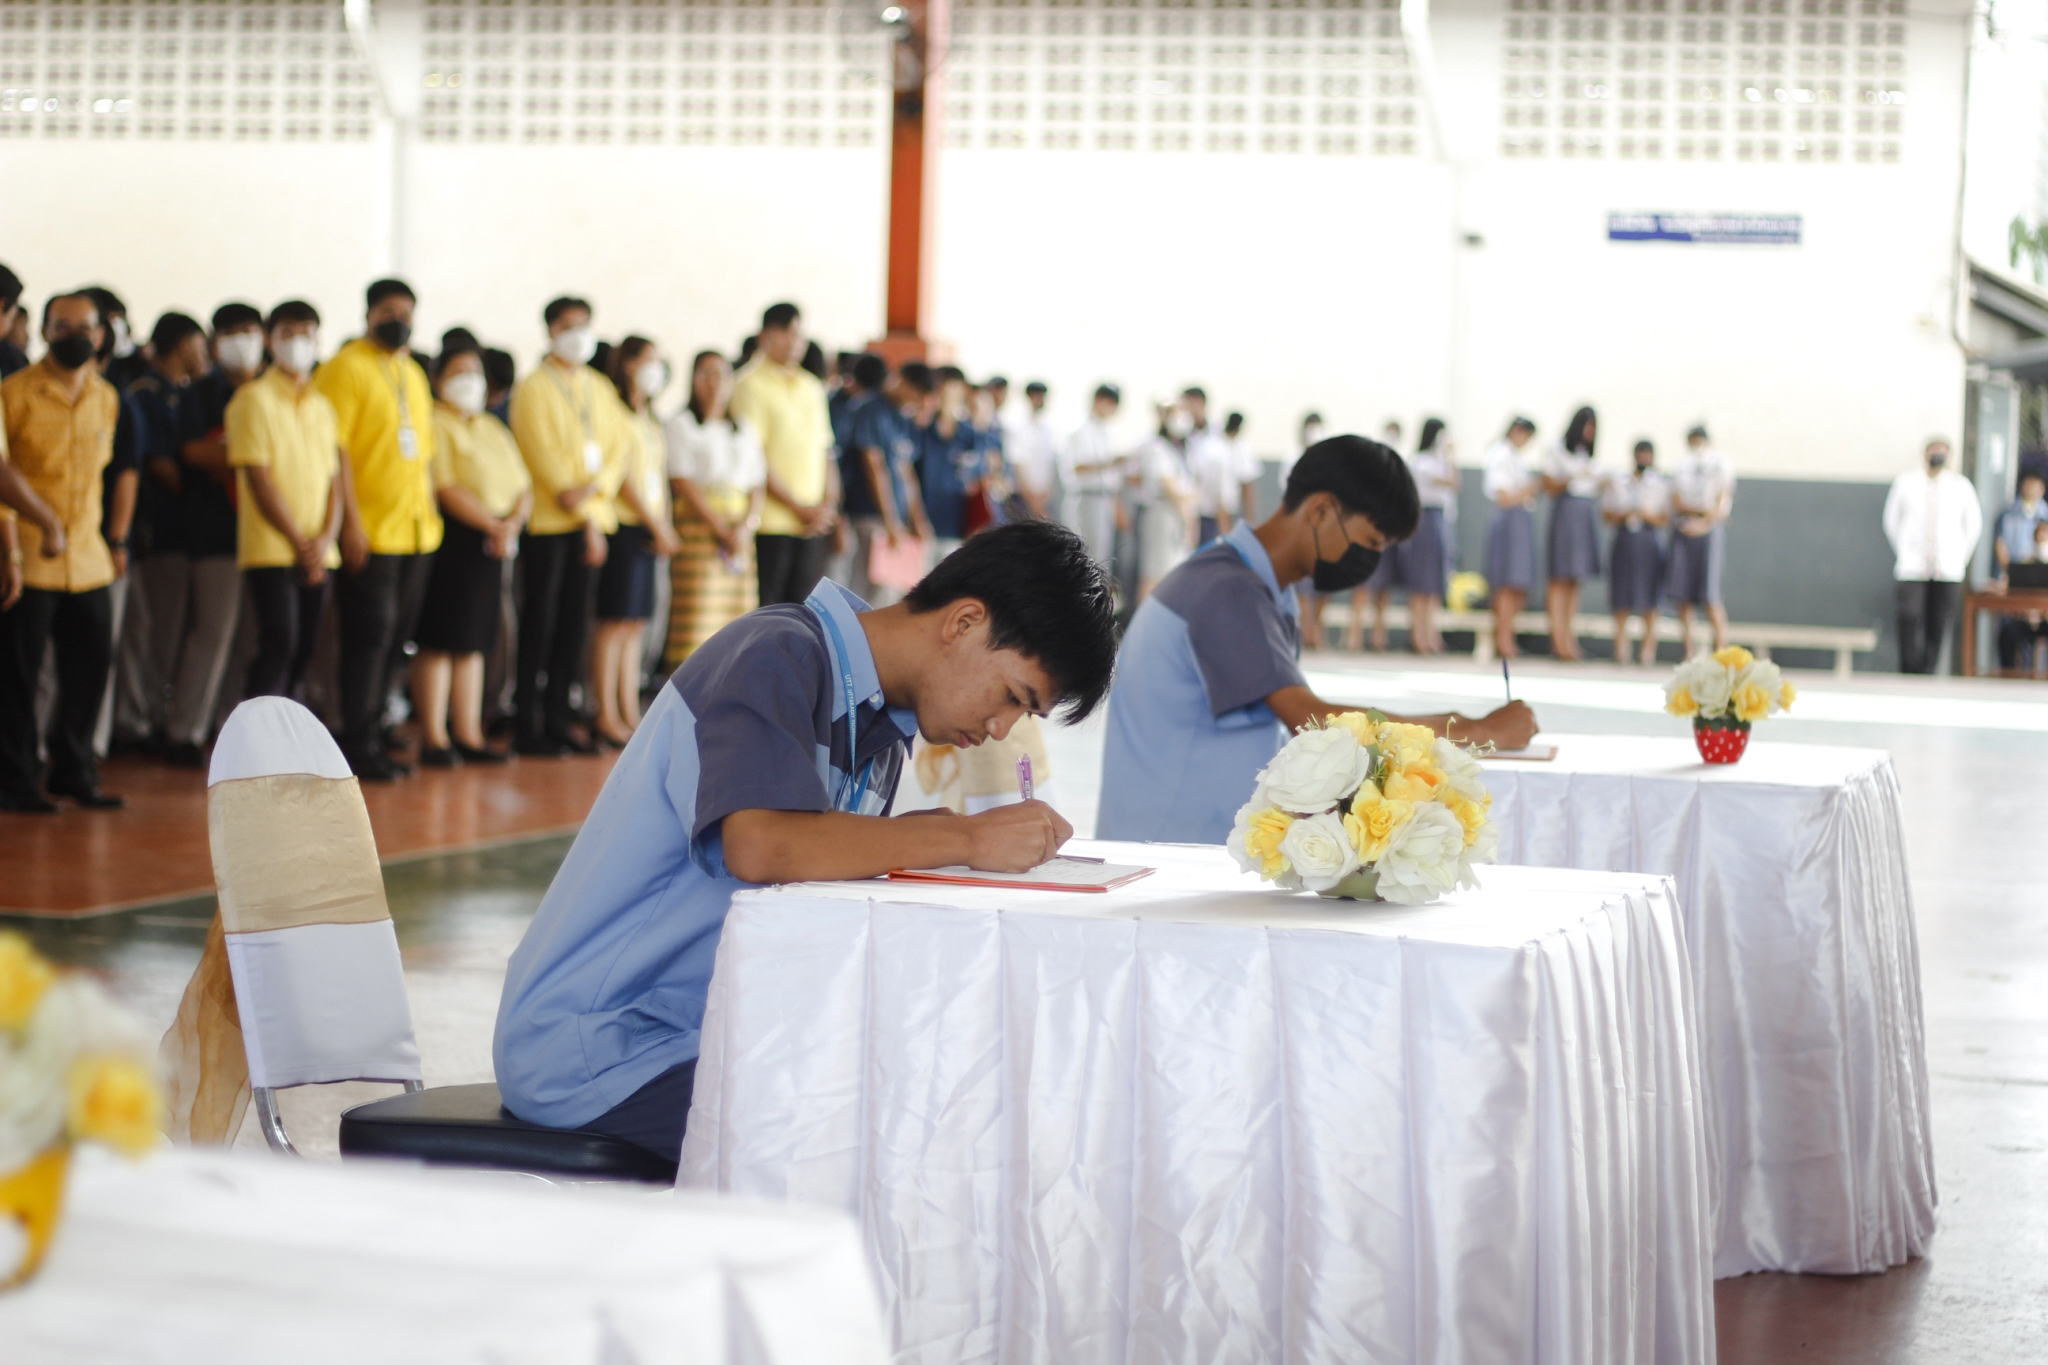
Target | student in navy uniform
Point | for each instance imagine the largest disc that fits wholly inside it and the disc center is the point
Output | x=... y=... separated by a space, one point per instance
x=1637 y=506
x=1573 y=482
x=772 y=755
x=1209 y=682
x=948 y=460
x=885 y=470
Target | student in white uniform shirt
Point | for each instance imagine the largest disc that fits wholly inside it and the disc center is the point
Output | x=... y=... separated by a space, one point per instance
x=1091 y=471
x=1309 y=600
x=1380 y=587
x=1573 y=482
x=1932 y=520
x=1033 y=453
x=1213 y=465
x=1637 y=506
x=1702 y=494
x=1512 y=484
x=1246 y=465
x=1164 y=494
x=1422 y=562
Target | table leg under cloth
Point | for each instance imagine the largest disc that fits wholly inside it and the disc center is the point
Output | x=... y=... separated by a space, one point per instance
x=1799 y=916
x=1090 y=1138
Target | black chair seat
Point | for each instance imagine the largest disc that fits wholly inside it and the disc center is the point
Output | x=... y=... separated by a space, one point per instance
x=467 y=1125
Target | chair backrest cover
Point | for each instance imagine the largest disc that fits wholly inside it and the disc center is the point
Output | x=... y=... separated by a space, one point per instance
x=317 y=979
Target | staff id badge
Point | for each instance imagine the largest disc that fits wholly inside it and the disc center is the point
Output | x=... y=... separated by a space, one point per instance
x=408 y=442
x=593 y=458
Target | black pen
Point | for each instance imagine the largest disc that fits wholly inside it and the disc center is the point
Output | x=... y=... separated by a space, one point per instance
x=1505 y=681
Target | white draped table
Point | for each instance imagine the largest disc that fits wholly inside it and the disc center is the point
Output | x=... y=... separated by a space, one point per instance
x=1791 y=871
x=247 y=1259
x=1201 y=1120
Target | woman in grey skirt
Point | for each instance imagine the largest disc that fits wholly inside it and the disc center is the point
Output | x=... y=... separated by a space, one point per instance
x=1636 y=507
x=1573 y=482
x=1511 y=486
x=1702 y=492
x=1421 y=562
x=1380 y=587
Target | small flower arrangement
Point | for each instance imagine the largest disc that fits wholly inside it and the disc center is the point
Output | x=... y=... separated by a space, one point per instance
x=73 y=1068
x=1360 y=806
x=1724 y=693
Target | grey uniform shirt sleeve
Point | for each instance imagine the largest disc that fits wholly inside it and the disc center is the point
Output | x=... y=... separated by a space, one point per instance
x=1245 y=646
x=757 y=732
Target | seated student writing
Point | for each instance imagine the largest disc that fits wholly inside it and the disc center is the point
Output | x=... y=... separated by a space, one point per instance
x=1209 y=683
x=772 y=755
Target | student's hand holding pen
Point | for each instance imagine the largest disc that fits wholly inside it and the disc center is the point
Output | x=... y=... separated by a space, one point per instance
x=1015 y=838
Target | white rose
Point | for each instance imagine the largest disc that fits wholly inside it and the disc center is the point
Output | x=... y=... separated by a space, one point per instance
x=1712 y=684
x=1320 y=851
x=1462 y=771
x=1425 y=859
x=1316 y=770
x=1484 y=847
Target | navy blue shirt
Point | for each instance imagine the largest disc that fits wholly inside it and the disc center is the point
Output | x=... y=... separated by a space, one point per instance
x=206 y=510
x=153 y=401
x=945 y=466
x=878 y=425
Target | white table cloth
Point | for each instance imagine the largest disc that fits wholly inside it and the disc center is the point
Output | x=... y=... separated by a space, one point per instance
x=1201 y=1120
x=234 y=1258
x=1791 y=871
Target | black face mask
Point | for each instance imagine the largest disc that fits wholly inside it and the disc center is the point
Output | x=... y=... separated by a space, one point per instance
x=1348 y=570
x=1933 y=461
x=392 y=334
x=71 y=351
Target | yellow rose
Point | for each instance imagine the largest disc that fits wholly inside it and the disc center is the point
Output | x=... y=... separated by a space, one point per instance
x=1734 y=656
x=1750 y=702
x=1262 y=836
x=24 y=977
x=1358 y=723
x=1470 y=813
x=1407 y=745
x=1415 y=782
x=114 y=1100
x=1681 y=702
x=1374 y=820
x=1786 y=696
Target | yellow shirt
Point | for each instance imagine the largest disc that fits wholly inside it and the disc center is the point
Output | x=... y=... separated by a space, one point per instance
x=61 y=448
x=478 y=453
x=786 y=407
x=273 y=423
x=572 y=430
x=646 y=469
x=385 y=414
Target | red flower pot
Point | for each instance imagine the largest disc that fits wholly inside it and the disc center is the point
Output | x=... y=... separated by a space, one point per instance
x=1720 y=743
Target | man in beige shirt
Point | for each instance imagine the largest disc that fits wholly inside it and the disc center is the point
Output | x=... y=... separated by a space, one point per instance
x=59 y=423
x=785 y=404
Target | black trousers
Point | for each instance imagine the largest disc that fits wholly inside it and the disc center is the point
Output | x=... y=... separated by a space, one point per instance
x=554 y=631
x=1926 y=609
x=80 y=626
x=789 y=566
x=379 y=608
x=287 y=625
x=2017 y=639
x=654 y=1115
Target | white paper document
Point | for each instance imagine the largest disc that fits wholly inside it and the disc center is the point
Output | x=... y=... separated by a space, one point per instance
x=1060 y=874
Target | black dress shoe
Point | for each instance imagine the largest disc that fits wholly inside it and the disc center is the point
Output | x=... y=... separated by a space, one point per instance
x=375 y=768
x=572 y=745
x=91 y=798
x=439 y=758
x=470 y=755
x=28 y=805
x=185 y=756
x=538 y=746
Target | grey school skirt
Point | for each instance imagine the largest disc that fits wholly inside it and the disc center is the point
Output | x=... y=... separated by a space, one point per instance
x=1694 y=573
x=1574 y=539
x=1418 y=562
x=1635 y=571
x=1511 y=549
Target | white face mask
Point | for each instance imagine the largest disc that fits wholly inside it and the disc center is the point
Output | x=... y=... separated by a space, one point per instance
x=1311 y=433
x=241 y=352
x=465 y=391
x=124 y=345
x=1179 y=424
x=297 y=354
x=651 y=378
x=574 y=346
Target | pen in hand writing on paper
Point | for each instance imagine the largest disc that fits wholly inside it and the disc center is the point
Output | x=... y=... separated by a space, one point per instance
x=1024 y=790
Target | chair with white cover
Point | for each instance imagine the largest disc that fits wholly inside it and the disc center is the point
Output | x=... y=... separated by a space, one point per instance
x=302 y=961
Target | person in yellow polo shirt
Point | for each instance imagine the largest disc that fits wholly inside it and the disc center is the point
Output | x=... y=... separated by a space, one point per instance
x=785 y=404
x=486 y=496
x=289 y=488
x=384 y=411
x=59 y=423
x=573 y=433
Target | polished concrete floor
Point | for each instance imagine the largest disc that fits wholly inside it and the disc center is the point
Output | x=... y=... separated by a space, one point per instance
x=1973 y=761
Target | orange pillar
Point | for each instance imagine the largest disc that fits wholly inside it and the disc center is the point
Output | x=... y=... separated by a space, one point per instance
x=913 y=163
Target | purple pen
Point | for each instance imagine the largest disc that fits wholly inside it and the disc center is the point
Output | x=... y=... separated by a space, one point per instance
x=1024 y=776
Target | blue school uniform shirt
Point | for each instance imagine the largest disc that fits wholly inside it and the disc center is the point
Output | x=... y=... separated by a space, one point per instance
x=877 y=425
x=606 y=991
x=1189 y=727
x=945 y=466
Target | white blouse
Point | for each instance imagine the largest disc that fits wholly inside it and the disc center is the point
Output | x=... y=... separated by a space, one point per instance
x=1508 y=470
x=1636 y=497
x=1575 y=470
x=1436 y=483
x=721 y=455
x=1704 y=479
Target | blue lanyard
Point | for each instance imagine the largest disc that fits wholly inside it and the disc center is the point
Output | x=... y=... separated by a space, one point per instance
x=845 y=662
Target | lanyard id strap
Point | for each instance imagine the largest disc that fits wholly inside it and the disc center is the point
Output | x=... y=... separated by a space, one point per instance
x=845 y=663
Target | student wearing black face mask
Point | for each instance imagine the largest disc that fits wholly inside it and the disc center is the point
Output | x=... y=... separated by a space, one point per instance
x=1208 y=682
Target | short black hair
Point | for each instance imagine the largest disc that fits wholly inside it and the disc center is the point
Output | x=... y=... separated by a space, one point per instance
x=381 y=290
x=1698 y=434
x=106 y=300
x=917 y=375
x=291 y=310
x=1642 y=446
x=950 y=374
x=779 y=315
x=1522 y=424
x=1047 y=599
x=499 y=369
x=230 y=316
x=1195 y=391
x=1036 y=386
x=813 y=361
x=50 y=304
x=456 y=342
x=1364 y=476
x=1233 y=424
x=995 y=381
x=10 y=289
x=870 y=371
x=1109 y=391
x=557 y=307
x=171 y=332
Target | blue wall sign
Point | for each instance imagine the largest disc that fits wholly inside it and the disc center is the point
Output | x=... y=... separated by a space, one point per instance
x=1734 y=229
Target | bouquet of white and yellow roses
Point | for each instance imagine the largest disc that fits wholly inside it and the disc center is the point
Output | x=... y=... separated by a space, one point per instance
x=1360 y=805
x=1724 y=692
x=73 y=1068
